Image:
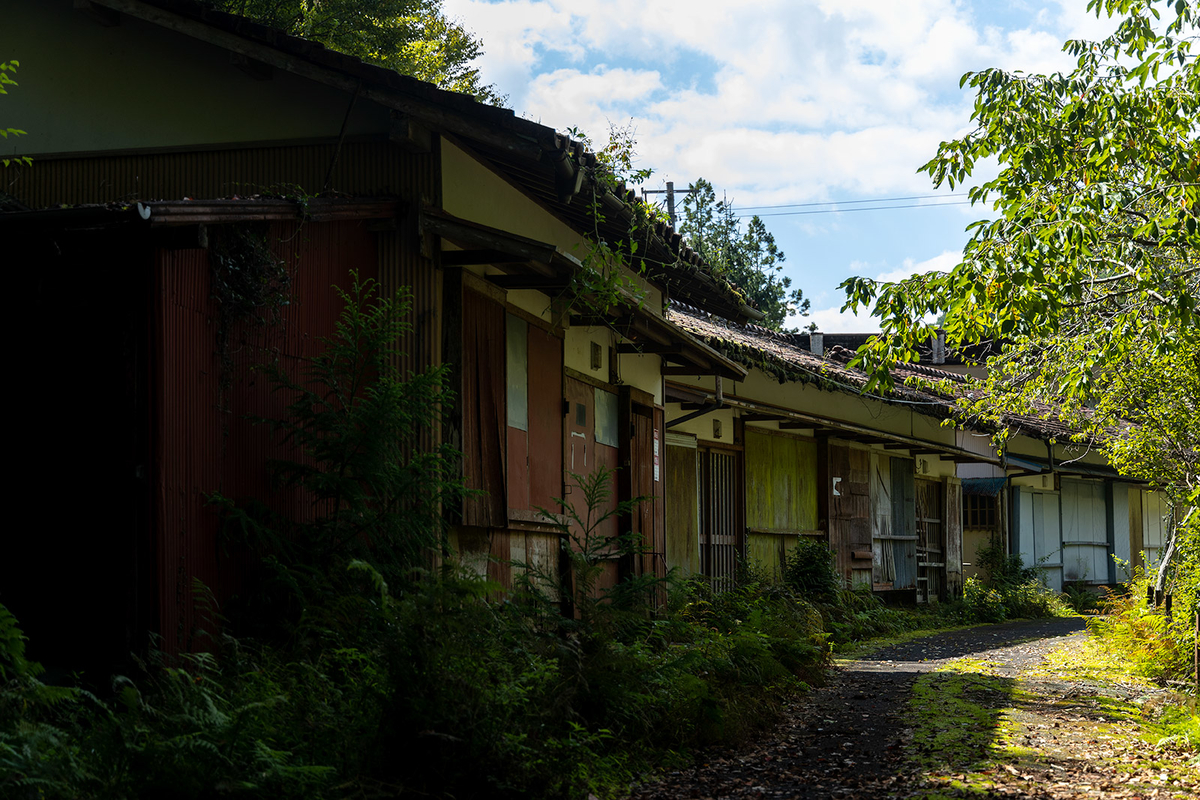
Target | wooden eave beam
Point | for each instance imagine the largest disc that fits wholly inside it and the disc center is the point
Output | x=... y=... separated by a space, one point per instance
x=535 y=257
x=539 y=282
x=466 y=258
x=190 y=212
x=675 y=393
x=794 y=420
x=762 y=417
x=631 y=348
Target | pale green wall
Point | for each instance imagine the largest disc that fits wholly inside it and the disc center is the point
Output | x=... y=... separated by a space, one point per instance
x=781 y=495
x=84 y=87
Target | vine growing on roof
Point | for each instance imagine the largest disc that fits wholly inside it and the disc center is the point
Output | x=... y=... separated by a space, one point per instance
x=602 y=285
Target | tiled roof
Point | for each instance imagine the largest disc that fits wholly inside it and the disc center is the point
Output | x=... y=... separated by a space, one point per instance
x=778 y=355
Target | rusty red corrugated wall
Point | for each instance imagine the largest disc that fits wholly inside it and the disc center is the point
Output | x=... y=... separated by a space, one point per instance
x=205 y=439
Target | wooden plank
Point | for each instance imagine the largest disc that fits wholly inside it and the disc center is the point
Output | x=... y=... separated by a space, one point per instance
x=762 y=417
x=518 y=469
x=784 y=531
x=463 y=258
x=649 y=348
x=545 y=418
x=781 y=483
x=484 y=420
x=954 y=535
x=682 y=505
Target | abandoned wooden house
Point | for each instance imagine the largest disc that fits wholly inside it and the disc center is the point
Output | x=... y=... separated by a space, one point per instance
x=905 y=496
x=562 y=355
x=119 y=229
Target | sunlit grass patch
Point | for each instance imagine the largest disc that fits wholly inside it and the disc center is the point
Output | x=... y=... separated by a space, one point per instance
x=956 y=715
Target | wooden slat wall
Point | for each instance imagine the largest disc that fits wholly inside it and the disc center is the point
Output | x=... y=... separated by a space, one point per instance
x=363 y=169
x=484 y=422
x=849 y=510
x=781 y=494
x=953 y=528
x=683 y=508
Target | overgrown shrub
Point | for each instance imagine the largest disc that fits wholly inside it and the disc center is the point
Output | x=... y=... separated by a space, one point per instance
x=847 y=614
x=1080 y=597
x=809 y=569
x=1022 y=588
x=982 y=603
x=1158 y=647
x=246 y=725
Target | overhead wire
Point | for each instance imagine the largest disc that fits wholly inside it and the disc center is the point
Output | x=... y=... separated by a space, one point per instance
x=853 y=202
x=848 y=210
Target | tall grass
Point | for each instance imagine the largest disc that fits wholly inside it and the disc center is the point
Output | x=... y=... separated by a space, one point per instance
x=1156 y=646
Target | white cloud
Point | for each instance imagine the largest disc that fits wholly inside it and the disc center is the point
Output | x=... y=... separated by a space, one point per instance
x=789 y=101
x=833 y=320
x=804 y=100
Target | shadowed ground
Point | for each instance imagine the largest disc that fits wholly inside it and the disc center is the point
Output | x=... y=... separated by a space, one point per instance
x=948 y=715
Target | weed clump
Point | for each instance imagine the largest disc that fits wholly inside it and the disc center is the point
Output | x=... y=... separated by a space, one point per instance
x=1157 y=646
x=848 y=614
x=1010 y=590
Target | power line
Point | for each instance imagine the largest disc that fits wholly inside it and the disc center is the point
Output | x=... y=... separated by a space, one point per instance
x=848 y=210
x=854 y=202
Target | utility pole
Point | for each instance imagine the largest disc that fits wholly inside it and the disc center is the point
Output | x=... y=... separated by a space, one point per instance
x=670 y=193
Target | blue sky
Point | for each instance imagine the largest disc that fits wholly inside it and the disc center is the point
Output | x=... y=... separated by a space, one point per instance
x=781 y=102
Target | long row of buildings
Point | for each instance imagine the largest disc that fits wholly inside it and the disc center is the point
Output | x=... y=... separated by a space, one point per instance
x=160 y=130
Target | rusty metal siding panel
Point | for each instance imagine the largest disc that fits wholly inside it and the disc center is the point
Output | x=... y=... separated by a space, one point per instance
x=402 y=267
x=366 y=169
x=188 y=441
x=205 y=439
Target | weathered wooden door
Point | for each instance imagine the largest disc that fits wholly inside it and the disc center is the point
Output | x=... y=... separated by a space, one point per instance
x=588 y=445
x=683 y=532
x=954 y=538
x=721 y=511
x=850 y=512
x=893 y=527
x=931 y=546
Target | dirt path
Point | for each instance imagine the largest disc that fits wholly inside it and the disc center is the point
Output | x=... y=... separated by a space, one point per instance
x=984 y=724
